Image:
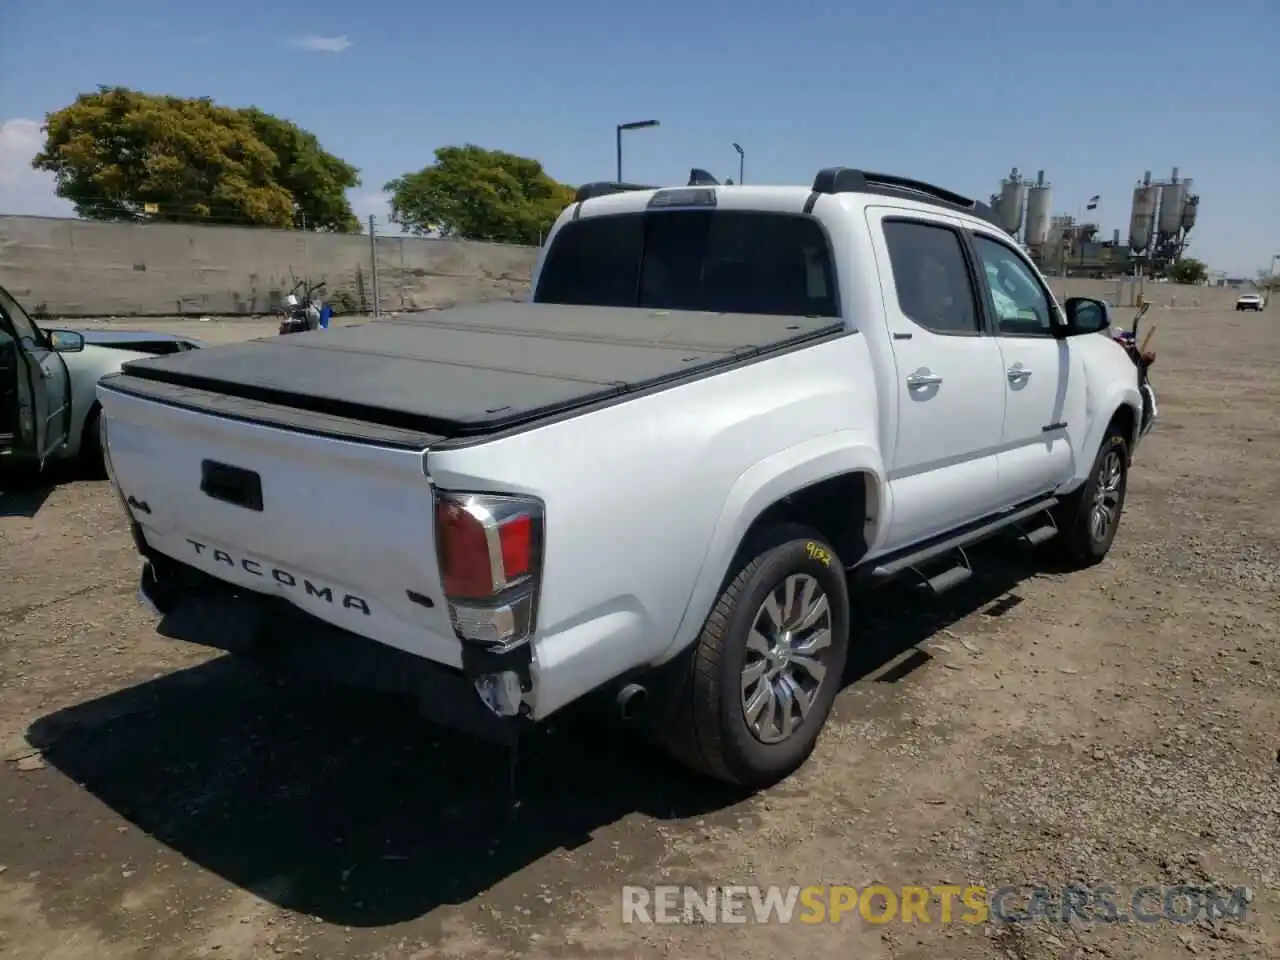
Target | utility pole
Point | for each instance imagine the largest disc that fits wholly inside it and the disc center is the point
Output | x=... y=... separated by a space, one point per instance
x=373 y=258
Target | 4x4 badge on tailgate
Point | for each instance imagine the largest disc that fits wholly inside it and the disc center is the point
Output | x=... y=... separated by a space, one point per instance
x=283 y=577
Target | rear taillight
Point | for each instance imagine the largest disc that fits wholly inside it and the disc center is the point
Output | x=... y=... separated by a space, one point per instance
x=490 y=553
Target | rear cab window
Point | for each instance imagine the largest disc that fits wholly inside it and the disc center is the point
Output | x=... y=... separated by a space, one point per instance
x=720 y=261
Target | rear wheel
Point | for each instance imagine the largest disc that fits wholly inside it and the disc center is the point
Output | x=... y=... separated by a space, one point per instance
x=1090 y=516
x=768 y=664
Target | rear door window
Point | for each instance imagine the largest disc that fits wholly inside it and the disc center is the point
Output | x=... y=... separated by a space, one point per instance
x=722 y=261
x=931 y=276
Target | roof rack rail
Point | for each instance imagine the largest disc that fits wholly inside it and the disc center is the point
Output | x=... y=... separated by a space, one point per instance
x=604 y=188
x=845 y=180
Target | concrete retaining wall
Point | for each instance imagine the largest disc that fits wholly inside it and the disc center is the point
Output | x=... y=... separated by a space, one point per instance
x=75 y=268
x=1123 y=293
x=78 y=268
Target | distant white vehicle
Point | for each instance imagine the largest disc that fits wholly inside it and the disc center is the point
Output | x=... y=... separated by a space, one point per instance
x=1250 y=301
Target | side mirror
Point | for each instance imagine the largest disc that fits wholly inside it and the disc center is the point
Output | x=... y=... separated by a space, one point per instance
x=66 y=341
x=1086 y=315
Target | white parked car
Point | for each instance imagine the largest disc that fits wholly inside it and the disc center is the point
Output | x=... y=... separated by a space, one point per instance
x=651 y=480
x=1249 y=301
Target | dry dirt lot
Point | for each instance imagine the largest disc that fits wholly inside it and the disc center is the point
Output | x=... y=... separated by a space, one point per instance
x=1115 y=727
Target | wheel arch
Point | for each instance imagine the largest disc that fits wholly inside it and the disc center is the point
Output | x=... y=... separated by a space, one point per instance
x=1123 y=405
x=88 y=368
x=1126 y=419
x=834 y=484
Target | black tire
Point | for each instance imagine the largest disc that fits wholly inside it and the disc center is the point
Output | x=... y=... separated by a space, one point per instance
x=707 y=728
x=91 y=445
x=1079 y=542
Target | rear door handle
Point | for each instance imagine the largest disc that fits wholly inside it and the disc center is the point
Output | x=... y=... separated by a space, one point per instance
x=923 y=380
x=1018 y=374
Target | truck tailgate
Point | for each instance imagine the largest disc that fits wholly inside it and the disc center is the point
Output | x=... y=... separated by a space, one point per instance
x=342 y=529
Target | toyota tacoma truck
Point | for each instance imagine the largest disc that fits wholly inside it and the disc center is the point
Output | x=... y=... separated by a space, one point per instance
x=658 y=480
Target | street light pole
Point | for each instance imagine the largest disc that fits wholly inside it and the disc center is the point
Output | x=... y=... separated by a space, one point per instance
x=1271 y=284
x=741 y=160
x=634 y=125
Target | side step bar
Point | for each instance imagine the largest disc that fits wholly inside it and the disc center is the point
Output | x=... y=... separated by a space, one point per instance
x=951 y=547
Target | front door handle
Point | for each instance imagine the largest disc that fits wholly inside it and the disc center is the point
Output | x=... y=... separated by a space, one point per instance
x=1018 y=374
x=923 y=380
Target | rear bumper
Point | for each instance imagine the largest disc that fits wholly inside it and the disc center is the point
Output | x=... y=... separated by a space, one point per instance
x=197 y=608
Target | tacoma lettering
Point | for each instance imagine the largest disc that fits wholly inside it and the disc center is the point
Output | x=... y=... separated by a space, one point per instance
x=283 y=577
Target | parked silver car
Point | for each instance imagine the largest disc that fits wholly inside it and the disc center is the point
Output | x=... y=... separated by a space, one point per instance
x=48 y=404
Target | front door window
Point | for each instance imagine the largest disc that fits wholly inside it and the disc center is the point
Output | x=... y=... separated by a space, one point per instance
x=1018 y=300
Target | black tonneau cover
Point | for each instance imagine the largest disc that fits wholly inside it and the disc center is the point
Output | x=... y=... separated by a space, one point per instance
x=467 y=370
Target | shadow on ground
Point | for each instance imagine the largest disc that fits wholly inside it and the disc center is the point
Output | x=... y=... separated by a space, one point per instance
x=24 y=489
x=348 y=807
x=893 y=621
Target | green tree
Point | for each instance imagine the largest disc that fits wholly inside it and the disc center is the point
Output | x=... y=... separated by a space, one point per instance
x=119 y=154
x=476 y=194
x=316 y=180
x=1189 y=270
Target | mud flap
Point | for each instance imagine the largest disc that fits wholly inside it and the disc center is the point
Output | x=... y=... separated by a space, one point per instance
x=1149 y=410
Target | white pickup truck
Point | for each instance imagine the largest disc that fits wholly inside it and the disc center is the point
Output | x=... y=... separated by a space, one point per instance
x=658 y=480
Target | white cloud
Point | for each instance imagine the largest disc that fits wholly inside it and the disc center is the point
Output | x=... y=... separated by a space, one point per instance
x=23 y=190
x=318 y=44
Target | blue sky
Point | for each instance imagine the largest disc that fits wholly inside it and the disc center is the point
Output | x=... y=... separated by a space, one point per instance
x=1092 y=91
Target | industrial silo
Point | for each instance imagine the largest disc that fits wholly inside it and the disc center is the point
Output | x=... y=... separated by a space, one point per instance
x=1013 y=201
x=1173 y=198
x=1142 y=222
x=1189 y=210
x=1037 y=227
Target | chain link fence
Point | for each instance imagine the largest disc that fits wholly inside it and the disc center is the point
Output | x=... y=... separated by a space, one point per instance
x=78 y=268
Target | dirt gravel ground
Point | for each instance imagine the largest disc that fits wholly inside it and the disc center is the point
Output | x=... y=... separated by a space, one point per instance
x=1118 y=727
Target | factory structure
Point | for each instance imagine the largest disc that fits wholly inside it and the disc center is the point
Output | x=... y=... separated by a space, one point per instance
x=1161 y=217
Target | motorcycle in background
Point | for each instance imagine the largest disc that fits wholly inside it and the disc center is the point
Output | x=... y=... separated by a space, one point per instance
x=302 y=313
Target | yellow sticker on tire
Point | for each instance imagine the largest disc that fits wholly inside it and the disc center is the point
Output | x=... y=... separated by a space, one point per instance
x=817 y=551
